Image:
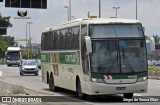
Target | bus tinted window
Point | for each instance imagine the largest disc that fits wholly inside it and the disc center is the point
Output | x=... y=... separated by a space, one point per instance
x=61 y=39
x=116 y=30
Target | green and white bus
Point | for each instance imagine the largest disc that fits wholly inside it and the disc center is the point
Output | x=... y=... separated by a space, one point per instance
x=96 y=57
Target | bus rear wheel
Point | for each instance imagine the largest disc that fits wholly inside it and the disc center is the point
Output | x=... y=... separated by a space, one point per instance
x=128 y=95
x=79 y=90
x=52 y=87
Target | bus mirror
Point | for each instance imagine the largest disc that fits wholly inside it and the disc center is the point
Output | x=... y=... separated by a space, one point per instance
x=88 y=44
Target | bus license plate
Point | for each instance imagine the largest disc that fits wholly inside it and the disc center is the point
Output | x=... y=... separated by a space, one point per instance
x=120 y=88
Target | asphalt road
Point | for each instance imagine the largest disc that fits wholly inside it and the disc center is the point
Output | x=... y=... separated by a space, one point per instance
x=11 y=74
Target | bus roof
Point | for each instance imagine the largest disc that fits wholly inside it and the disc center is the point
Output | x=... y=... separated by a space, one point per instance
x=13 y=49
x=93 y=21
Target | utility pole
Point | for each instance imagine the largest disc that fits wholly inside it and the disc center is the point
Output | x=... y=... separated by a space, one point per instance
x=88 y=14
x=70 y=10
x=99 y=8
x=136 y=9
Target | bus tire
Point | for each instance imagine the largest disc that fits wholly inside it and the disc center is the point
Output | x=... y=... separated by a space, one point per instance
x=79 y=90
x=52 y=87
x=128 y=95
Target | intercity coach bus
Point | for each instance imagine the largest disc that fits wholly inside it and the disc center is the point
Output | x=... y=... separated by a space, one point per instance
x=96 y=57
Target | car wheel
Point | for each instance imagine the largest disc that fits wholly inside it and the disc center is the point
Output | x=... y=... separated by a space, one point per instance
x=21 y=73
x=36 y=74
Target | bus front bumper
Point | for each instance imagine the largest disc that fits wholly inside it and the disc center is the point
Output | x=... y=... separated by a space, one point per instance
x=103 y=88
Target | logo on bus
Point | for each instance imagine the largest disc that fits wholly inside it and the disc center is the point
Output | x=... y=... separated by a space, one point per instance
x=132 y=76
x=43 y=57
x=70 y=58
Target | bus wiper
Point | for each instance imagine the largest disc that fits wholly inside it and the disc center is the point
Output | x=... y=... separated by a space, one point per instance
x=112 y=64
x=125 y=58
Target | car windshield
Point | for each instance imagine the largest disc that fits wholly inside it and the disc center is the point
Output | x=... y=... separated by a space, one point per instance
x=29 y=62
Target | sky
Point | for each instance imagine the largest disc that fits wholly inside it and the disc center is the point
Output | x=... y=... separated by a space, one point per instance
x=148 y=13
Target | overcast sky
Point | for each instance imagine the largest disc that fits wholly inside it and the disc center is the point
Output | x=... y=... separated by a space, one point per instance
x=148 y=14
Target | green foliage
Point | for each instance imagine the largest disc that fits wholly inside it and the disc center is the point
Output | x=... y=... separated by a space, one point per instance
x=154 y=68
x=5 y=42
x=153 y=56
x=3 y=47
x=4 y=21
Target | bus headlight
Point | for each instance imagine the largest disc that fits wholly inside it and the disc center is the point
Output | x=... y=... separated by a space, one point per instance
x=97 y=80
x=142 y=79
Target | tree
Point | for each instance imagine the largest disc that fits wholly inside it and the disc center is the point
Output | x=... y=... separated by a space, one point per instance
x=5 y=42
x=4 y=24
x=4 y=21
x=3 y=47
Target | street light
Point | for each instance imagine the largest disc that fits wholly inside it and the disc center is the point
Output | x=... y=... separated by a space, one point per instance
x=67 y=11
x=99 y=8
x=116 y=10
x=70 y=10
x=29 y=46
x=73 y=17
x=136 y=9
x=26 y=39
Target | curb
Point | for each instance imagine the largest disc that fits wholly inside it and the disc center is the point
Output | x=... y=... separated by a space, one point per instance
x=19 y=89
x=30 y=91
x=11 y=88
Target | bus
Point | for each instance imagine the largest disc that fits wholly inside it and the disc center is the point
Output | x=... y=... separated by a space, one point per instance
x=96 y=57
x=13 y=56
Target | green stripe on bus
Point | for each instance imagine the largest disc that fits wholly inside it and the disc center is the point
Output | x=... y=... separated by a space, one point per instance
x=45 y=57
x=69 y=58
x=61 y=57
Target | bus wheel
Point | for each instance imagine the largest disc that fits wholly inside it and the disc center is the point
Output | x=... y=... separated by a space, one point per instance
x=128 y=95
x=52 y=87
x=79 y=90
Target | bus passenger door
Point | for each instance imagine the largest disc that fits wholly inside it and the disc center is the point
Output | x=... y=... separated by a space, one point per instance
x=85 y=68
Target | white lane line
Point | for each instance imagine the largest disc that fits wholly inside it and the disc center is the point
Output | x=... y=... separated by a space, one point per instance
x=0 y=73
x=137 y=95
x=89 y=103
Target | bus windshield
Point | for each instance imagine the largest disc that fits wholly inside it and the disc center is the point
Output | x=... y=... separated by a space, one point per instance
x=118 y=56
x=116 y=30
x=13 y=55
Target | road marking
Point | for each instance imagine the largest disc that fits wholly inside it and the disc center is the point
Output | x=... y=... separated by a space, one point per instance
x=0 y=73
x=89 y=103
x=137 y=95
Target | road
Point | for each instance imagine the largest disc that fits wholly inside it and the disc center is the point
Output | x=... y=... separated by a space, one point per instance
x=11 y=74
